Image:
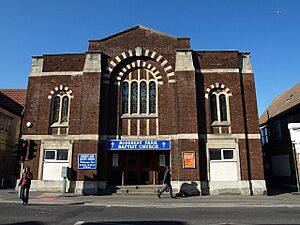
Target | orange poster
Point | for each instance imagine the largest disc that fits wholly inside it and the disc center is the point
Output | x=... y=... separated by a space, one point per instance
x=188 y=159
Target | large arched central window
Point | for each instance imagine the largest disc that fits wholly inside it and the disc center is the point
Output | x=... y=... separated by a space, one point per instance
x=139 y=94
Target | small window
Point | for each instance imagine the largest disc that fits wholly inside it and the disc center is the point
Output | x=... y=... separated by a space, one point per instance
x=215 y=154
x=125 y=97
x=134 y=97
x=5 y=123
x=213 y=108
x=65 y=108
x=228 y=154
x=152 y=99
x=49 y=154
x=143 y=97
x=223 y=108
x=264 y=133
x=278 y=131
x=221 y=154
x=62 y=154
x=56 y=155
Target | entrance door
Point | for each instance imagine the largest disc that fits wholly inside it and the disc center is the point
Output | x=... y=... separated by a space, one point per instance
x=133 y=168
x=137 y=167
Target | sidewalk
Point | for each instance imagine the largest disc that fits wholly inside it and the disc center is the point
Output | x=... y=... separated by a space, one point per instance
x=37 y=198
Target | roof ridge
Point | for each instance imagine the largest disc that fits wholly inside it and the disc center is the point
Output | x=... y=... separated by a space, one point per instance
x=134 y=28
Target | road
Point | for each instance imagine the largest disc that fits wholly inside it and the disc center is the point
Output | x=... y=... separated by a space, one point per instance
x=16 y=214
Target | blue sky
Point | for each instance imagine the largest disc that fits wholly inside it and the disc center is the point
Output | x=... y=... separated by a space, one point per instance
x=269 y=29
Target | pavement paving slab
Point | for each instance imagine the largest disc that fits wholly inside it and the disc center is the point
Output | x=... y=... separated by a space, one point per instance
x=282 y=200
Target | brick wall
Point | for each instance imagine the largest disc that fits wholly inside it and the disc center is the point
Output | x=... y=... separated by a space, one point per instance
x=182 y=107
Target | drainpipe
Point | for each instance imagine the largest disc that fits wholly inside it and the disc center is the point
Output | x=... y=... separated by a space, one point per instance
x=296 y=167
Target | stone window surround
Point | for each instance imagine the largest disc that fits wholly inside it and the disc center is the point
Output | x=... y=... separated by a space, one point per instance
x=219 y=122
x=54 y=93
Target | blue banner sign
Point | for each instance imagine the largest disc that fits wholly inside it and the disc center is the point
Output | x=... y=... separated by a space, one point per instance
x=87 y=161
x=138 y=144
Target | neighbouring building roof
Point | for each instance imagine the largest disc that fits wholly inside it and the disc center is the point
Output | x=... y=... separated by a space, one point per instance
x=13 y=99
x=282 y=103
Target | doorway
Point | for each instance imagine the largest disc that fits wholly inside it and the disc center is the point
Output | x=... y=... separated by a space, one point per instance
x=137 y=167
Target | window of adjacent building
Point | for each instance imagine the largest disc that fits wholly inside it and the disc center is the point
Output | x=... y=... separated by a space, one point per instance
x=60 y=108
x=5 y=123
x=139 y=97
x=221 y=154
x=264 y=133
x=218 y=107
x=56 y=155
x=278 y=130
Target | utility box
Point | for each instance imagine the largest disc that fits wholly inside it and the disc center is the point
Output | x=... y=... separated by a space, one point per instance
x=64 y=171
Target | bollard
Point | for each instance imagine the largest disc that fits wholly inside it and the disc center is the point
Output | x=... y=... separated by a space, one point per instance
x=64 y=174
x=123 y=178
x=64 y=185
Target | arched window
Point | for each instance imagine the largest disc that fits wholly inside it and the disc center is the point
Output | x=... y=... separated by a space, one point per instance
x=143 y=97
x=138 y=95
x=125 y=97
x=152 y=98
x=60 y=108
x=223 y=108
x=134 y=97
x=65 y=109
x=218 y=107
x=213 y=108
x=55 y=109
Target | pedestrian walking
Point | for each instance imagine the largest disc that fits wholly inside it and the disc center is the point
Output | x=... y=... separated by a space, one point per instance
x=25 y=183
x=167 y=183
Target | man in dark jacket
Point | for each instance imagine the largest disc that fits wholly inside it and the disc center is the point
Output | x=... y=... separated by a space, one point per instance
x=167 y=183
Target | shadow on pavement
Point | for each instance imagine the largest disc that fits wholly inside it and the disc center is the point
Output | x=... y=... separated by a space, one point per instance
x=278 y=190
x=138 y=223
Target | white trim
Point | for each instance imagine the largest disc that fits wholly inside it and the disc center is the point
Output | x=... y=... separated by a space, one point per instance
x=124 y=55
x=118 y=58
x=60 y=73
x=250 y=136
x=164 y=62
x=233 y=70
x=153 y=55
x=159 y=58
x=96 y=137
x=168 y=68
x=113 y=63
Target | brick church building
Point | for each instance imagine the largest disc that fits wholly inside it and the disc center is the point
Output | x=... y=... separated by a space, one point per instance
x=138 y=101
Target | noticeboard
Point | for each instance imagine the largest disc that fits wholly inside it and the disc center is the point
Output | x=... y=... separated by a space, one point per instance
x=189 y=159
x=87 y=161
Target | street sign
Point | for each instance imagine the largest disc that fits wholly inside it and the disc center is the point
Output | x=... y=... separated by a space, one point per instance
x=87 y=161
x=138 y=144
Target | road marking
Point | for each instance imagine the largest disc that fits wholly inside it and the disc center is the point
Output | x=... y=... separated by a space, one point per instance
x=79 y=222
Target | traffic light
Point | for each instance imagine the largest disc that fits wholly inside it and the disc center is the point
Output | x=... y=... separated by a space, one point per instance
x=32 y=149
x=23 y=147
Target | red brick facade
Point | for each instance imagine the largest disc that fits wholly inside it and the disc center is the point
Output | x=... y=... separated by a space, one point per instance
x=185 y=80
